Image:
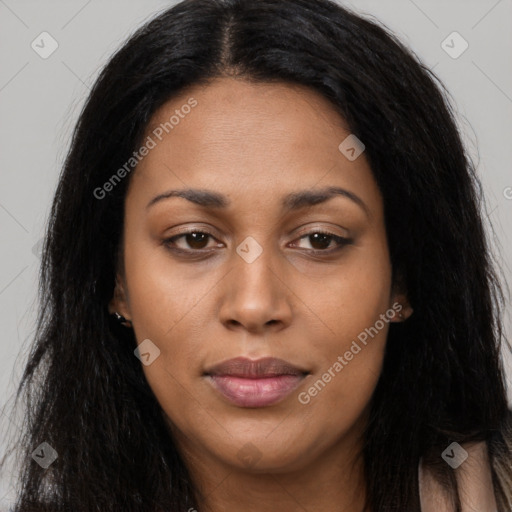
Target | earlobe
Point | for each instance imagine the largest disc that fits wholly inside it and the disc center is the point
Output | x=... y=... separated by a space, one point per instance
x=401 y=306
x=119 y=302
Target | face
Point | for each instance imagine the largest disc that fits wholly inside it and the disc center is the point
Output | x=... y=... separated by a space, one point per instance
x=261 y=261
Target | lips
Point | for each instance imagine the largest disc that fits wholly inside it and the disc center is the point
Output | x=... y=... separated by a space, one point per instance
x=253 y=369
x=255 y=383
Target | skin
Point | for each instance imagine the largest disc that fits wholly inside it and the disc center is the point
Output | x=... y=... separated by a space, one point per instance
x=256 y=143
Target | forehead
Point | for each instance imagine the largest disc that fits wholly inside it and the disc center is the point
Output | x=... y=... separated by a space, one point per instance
x=250 y=140
x=243 y=118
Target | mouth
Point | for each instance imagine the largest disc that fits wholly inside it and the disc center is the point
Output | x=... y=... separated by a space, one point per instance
x=260 y=383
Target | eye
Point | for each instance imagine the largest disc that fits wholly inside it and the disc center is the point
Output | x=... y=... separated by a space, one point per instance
x=195 y=240
x=324 y=241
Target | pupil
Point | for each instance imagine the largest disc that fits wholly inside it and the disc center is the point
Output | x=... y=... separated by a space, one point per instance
x=324 y=240
x=196 y=238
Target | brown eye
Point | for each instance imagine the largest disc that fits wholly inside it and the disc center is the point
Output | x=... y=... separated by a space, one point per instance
x=196 y=240
x=320 y=241
x=193 y=241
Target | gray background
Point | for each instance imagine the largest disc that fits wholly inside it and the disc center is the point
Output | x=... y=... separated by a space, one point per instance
x=40 y=100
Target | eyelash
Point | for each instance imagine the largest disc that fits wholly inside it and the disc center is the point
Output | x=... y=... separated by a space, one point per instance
x=341 y=241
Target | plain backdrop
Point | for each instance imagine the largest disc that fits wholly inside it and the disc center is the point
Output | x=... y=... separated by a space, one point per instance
x=40 y=100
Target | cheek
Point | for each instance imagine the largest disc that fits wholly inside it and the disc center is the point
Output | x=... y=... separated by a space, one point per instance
x=352 y=307
x=353 y=296
x=168 y=311
x=351 y=362
x=161 y=297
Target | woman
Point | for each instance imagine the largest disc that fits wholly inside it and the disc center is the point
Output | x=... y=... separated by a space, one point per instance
x=266 y=283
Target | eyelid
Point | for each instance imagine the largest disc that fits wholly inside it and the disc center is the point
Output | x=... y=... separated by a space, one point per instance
x=194 y=229
x=185 y=231
x=306 y=231
x=321 y=229
x=341 y=241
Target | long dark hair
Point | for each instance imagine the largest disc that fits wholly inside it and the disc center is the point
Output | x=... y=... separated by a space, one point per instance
x=442 y=379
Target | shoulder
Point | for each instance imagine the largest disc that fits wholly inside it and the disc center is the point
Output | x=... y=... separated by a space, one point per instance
x=474 y=481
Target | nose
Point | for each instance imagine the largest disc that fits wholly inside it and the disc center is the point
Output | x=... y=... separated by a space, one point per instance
x=255 y=296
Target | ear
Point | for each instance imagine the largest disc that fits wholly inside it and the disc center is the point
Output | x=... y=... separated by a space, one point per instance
x=119 y=302
x=400 y=303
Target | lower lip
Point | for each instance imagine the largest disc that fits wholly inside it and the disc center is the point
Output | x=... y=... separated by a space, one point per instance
x=255 y=392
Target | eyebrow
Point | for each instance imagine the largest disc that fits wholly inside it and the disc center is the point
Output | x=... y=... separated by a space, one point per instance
x=290 y=202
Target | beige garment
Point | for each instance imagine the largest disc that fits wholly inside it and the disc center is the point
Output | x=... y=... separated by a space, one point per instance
x=474 y=480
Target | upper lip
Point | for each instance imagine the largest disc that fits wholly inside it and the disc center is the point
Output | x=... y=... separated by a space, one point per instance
x=248 y=368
